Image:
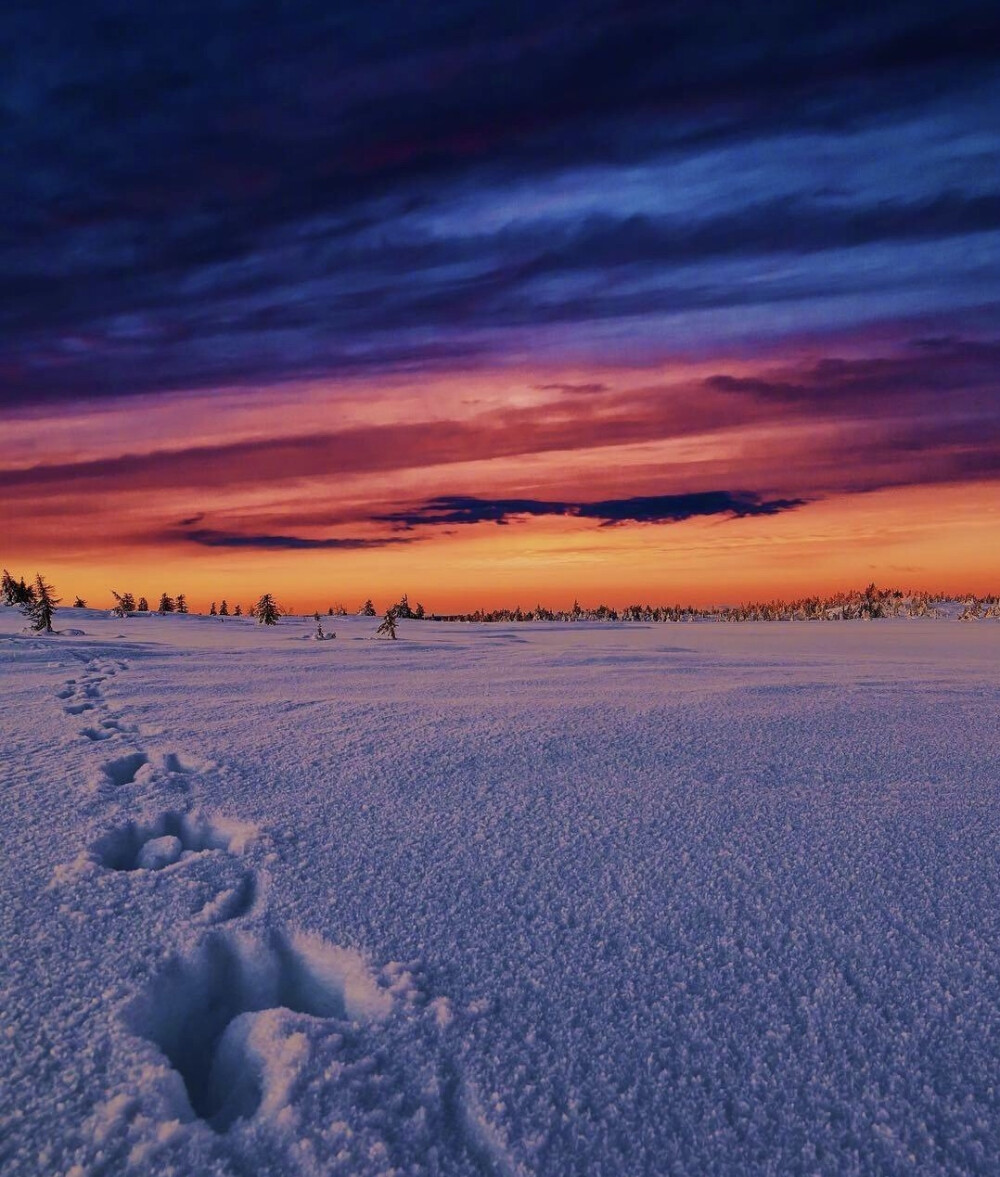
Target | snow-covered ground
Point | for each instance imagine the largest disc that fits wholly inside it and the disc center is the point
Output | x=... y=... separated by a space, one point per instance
x=593 y=899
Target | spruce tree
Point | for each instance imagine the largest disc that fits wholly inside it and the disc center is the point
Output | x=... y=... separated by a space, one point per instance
x=223 y=608
x=213 y=612
x=79 y=603
x=182 y=605
x=367 y=609
x=124 y=604
x=14 y=592
x=143 y=606
x=238 y=611
x=41 y=607
x=387 y=628
x=8 y=589
x=266 y=610
x=166 y=604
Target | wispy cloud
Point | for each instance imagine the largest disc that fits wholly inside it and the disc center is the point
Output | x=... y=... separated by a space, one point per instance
x=208 y=538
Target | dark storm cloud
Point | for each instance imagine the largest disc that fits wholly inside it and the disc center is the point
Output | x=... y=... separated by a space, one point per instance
x=671 y=508
x=197 y=195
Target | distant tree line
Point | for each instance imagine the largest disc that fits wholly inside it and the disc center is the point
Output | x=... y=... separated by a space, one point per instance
x=38 y=601
x=859 y=605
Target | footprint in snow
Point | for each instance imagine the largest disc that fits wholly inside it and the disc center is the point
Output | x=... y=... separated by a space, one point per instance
x=95 y=735
x=124 y=769
x=79 y=708
x=216 y=1014
x=172 y=837
x=232 y=903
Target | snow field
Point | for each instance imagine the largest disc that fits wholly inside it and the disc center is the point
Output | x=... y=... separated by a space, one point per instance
x=500 y=900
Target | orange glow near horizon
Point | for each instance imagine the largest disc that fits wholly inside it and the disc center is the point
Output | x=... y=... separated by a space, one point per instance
x=895 y=538
x=319 y=493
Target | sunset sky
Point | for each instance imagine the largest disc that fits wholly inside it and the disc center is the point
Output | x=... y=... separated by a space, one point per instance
x=496 y=304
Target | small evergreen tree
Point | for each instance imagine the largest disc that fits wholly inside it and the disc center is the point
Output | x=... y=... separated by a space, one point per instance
x=182 y=604
x=213 y=612
x=8 y=589
x=79 y=603
x=238 y=611
x=418 y=611
x=41 y=607
x=266 y=610
x=223 y=608
x=15 y=592
x=143 y=606
x=124 y=604
x=387 y=629
x=166 y=604
x=367 y=609
x=403 y=608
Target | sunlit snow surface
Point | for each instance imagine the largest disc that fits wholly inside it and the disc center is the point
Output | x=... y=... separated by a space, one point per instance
x=526 y=899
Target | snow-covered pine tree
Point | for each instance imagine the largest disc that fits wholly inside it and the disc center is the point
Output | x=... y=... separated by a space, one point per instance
x=15 y=592
x=223 y=608
x=238 y=611
x=166 y=604
x=367 y=609
x=266 y=610
x=79 y=603
x=182 y=604
x=387 y=628
x=403 y=608
x=124 y=604
x=143 y=605
x=8 y=588
x=213 y=612
x=41 y=607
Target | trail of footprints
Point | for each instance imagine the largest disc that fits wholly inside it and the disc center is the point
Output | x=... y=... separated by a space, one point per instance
x=188 y=1009
x=206 y=1010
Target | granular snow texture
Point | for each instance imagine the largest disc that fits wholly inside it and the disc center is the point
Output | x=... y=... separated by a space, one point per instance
x=535 y=899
